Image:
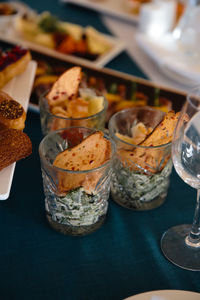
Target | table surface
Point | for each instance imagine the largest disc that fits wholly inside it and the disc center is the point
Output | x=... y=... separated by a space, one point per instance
x=121 y=259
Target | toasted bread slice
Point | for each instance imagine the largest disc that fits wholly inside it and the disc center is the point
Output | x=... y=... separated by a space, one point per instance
x=147 y=161
x=152 y=160
x=2 y=126
x=91 y=153
x=66 y=87
x=163 y=132
x=14 y=66
x=12 y=114
x=14 y=145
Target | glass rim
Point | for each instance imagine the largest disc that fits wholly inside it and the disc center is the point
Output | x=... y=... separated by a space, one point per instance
x=76 y=119
x=113 y=135
x=42 y=156
x=191 y=94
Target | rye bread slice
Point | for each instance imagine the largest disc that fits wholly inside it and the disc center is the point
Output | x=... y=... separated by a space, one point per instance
x=2 y=126
x=65 y=87
x=14 y=145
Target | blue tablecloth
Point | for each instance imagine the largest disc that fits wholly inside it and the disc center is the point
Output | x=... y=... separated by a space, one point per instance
x=122 y=258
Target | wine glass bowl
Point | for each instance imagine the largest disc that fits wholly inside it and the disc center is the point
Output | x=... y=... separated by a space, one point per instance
x=181 y=244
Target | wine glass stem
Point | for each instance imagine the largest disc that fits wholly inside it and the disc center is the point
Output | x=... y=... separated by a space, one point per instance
x=193 y=239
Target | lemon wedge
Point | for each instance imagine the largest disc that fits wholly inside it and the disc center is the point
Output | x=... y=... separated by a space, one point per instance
x=97 y=43
x=95 y=105
x=45 y=39
x=125 y=138
x=76 y=31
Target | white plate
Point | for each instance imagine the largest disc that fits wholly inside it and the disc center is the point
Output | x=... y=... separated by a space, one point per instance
x=171 y=59
x=114 y=8
x=124 y=31
x=117 y=46
x=19 y=88
x=166 y=295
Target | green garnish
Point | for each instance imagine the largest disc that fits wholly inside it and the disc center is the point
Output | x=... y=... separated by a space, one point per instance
x=133 y=91
x=77 y=208
x=49 y=24
x=135 y=190
x=113 y=88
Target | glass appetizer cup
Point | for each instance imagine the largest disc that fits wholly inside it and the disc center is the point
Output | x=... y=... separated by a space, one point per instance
x=76 y=202
x=56 y=119
x=141 y=174
x=9 y=13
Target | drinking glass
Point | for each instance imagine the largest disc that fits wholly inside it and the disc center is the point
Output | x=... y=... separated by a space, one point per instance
x=51 y=122
x=181 y=244
x=187 y=32
x=141 y=175
x=76 y=202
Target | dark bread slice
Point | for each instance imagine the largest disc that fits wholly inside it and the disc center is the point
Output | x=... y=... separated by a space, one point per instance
x=14 y=145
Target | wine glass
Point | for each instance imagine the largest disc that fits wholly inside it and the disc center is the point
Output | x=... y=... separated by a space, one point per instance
x=181 y=244
x=186 y=32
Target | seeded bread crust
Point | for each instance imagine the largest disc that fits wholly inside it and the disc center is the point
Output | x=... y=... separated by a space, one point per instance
x=12 y=114
x=14 y=145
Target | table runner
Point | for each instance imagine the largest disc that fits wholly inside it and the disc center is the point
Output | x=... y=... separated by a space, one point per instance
x=121 y=259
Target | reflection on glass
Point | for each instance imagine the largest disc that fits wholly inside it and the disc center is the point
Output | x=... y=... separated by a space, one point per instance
x=181 y=244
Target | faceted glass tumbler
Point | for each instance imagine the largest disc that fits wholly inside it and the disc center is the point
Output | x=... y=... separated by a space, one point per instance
x=141 y=175
x=52 y=122
x=76 y=202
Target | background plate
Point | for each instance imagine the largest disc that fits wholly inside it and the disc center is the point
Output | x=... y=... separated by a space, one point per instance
x=166 y=295
x=19 y=88
x=113 y=8
x=117 y=46
x=106 y=78
x=164 y=53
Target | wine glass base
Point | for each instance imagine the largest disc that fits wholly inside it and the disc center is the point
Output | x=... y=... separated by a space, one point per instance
x=175 y=249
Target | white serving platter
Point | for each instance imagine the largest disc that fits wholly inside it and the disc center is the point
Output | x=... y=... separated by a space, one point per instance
x=117 y=46
x=114 y=8
x=19 y=88
x=171 y=58
x=127 y=33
